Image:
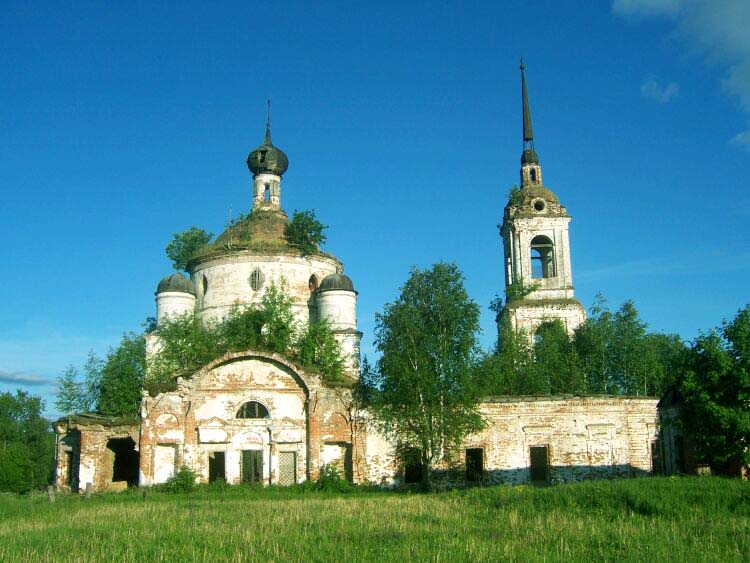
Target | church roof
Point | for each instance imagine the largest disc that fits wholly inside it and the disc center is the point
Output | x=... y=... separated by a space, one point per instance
x=267 y=158
x=262 y=231
x=177 y=283
x=339 y=282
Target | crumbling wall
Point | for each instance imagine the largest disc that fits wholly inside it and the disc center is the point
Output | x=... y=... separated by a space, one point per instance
x=200 y=418
x=585 y=438
x=83 y=455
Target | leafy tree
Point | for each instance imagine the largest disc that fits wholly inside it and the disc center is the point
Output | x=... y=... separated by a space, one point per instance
x=70 y=392
x=92 y=376
x=593 y=342
x=368 y=384
x=276 y=309
x=240 y=330
x=618 y=356
x=556 y=361
x=509 y=370
x=305 y=231
x=122 y=377
x=26 y=443
x=185 y=344
x=430 y=385
x=184 y=245
x=716 y=392
x=317 y=347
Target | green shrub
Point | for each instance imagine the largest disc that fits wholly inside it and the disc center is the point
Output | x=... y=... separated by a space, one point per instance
x=181 y=482
x=184 y=245
x=305 y=231
x=330 y=480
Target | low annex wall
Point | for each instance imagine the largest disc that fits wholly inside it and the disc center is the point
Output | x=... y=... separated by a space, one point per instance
x=570 y=439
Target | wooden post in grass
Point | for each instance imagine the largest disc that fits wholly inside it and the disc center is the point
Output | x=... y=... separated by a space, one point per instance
x=88 y=491
x=51 y=493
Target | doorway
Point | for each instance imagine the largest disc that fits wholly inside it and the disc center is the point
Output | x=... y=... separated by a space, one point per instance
x=252 y=466
x=539 y=464
x=216 y=467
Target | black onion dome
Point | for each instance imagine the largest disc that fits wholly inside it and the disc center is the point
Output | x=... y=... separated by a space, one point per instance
x=176 y=283
x=529 y=156
x=267 y=159
x=338 y=282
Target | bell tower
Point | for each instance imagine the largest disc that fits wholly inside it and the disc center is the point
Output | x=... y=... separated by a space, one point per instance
x=538 y=277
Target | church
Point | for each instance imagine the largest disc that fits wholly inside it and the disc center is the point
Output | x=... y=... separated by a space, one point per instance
x=257 y=417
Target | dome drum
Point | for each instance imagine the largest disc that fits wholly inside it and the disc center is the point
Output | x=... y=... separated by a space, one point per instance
x=338 y=307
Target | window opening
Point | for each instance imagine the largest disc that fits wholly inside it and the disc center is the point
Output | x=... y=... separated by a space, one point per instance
x=216 y=467
x=532 y=174
x=313 y=283
x=539 y=464
x=542 y=257
x=256 y=279
x=267 y=192
x=252 y=409
x=262 y=157
x=287 y=468
x=474 y=464
x=251 y=466
x=205 y=285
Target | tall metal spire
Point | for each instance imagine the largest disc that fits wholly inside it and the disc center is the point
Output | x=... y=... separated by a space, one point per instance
x=268 y=123
x=528 y=132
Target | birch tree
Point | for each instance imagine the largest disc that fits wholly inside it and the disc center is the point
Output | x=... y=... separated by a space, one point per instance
x=429 y=385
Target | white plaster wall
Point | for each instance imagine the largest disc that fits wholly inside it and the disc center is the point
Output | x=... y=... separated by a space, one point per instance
x=556 y=229
x=217 y=399
x=339 y=308
x=528 y=318
x=259 y=190
x=228 y=281
x=349 y=343
x=586 y=437
x=170 y=304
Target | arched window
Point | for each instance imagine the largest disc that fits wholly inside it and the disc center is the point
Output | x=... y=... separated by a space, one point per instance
x=267 y=193
x=204 y=283
x=542 y=257
x=532 y=175
x=313 y=283
x=252 y=409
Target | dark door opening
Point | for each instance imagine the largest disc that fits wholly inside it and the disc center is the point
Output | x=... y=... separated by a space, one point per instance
x=216 y=467
x=126 y=460
x=412 y=466
x=539 y=466
x=657 y=461
x=252 y=466
x=474 y=464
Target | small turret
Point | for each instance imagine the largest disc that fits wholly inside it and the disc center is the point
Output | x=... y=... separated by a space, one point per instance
x=175 y=296
x=337 y=302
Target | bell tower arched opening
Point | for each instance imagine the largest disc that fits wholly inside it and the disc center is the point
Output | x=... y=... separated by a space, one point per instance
x=542 y=257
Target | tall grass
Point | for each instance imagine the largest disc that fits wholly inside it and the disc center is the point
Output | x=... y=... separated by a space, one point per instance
x=684 y=519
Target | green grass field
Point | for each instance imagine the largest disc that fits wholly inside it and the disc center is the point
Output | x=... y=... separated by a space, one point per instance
x=651 y=519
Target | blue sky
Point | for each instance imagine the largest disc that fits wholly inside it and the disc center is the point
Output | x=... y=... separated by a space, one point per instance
x=123 y=123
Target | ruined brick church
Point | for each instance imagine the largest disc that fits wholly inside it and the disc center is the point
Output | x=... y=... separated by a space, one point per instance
x=256 y=417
